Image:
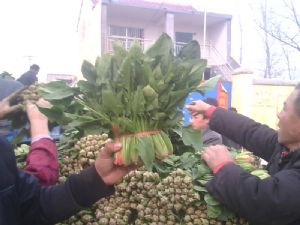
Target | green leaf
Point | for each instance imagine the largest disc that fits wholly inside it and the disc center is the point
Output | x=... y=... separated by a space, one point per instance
x=188 y=160
x=89 y=72
x=200 y=188
x=162 y=168
x=56 y=114
x=105 y=70
x=137 y=102
x=65 y=102
x=56 y=90
x=149 y=92
x=130 y=77
x=202 y=182
x=111 y=102
x=208 y=85
x=161 y=52
x=214 y=211
x=203 y=169
x=192 y=137
x=126 y=125
x=210 y=200
x=196 y=72
x=119 y=52
x=163 y=47
x=86 y=87
x=169 y=161
x=190 y=50
x=146 y=151
x=78 y=121
x=225 y=214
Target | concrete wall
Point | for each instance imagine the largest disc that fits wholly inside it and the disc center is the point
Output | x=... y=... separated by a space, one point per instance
x=218 y=39
x=89 y=34
x=260 y=100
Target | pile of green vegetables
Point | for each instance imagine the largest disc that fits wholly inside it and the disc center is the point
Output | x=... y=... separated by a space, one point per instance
x=174 y=193
x=134 y=96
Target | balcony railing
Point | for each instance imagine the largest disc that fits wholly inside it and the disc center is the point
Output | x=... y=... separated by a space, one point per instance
x=126 y=42
x=209 y=52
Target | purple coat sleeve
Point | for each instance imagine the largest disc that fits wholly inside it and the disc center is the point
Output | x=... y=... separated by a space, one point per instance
x=42 y=161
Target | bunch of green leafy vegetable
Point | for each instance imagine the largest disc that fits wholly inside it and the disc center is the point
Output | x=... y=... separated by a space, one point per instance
x=131 y=92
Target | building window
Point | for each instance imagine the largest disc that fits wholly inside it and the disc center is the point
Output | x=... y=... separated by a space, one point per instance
x=181 y=39
x=125 y=35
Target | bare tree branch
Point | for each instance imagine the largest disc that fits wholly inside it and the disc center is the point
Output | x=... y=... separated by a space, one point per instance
x=290 y=34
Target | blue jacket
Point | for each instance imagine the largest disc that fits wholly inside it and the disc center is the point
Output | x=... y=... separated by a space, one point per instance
x=274 y=200
x=28 y=78
x=23 y=202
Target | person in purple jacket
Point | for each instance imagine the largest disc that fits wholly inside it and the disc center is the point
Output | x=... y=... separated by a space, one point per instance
x=274 y=200
x=41 y=160
x=23 y=201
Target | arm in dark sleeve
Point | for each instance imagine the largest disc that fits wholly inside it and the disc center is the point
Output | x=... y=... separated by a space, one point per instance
x=42 y=161
x=258 y=138
x=58 y=202
x=274 y=200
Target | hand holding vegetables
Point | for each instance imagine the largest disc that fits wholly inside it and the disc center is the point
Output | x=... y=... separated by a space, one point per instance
x=38 y=121
x=197 y=107
x=107 y=170
x=5 y=104
x=217 y=156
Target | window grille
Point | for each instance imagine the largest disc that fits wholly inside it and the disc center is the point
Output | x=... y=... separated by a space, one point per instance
x=182 y=38
x=126 y=36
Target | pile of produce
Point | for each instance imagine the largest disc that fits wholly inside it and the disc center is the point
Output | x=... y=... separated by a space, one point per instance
x=135 y=97
x=80 y=155
x=30 y=94
x=21 y=152
x=18 y=119
x=174 y=193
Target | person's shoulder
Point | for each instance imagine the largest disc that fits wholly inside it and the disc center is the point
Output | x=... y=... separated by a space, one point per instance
x=28 y=73
x=7 y=87
x=211 y=137
x=11 y=82
x=5 y=145
x=210 y=132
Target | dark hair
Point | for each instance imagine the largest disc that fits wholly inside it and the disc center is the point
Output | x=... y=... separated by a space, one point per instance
x=297 y=100
x=211 y=101
x=233 y=109
x=35 y=67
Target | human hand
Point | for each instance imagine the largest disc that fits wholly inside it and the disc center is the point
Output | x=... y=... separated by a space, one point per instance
x=38 y=121
x=197 y=107
x=33 y=112
x=216 y=155
x=107 y=170
x=5 y=107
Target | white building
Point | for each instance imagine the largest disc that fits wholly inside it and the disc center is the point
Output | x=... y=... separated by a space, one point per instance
x=145 y=21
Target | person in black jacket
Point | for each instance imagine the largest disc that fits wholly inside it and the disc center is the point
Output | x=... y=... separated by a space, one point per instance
x=226 y=141
x=276 y=199
x=24 y=202
x=30 y=77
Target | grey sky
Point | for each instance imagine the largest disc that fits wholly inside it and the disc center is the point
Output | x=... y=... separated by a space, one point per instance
x=44 y=32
